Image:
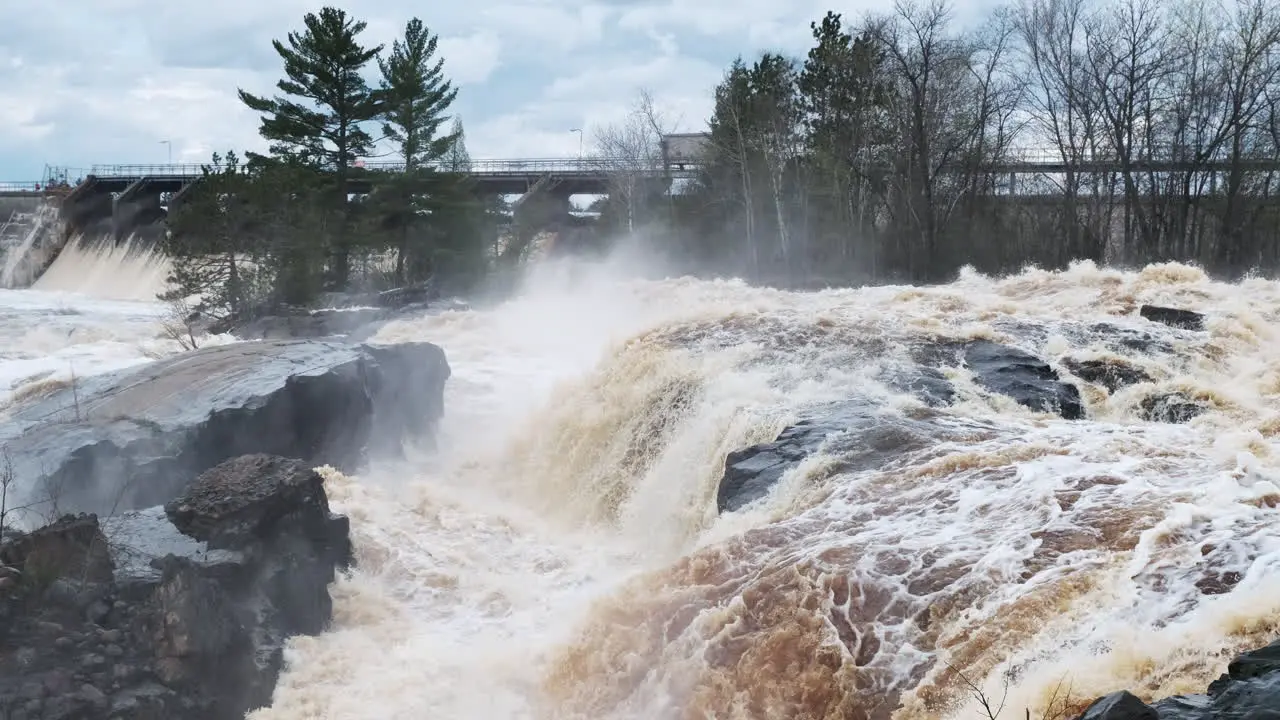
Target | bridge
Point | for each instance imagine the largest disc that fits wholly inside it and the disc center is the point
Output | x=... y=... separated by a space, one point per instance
x=132 y=195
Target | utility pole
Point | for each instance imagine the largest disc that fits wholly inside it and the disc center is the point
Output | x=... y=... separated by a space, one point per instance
x=579 y=131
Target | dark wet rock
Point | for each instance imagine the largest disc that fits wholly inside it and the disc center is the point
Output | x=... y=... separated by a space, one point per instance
x=136 y=438
x=236 y=504
x=750 y=473
x=1122 y=705
x=355 y=316
x=1112 y=374
x=1122 y=339
x=1026 y=379
x=1173 y=317
x=1252 y=665
x=200 y=636
x=1001 y=369
x=309 y=324
x=141 y=539
x=71 y=547
x=1171 y=408
x=860 y=435
x=867 y=438
x=1249 y=690
x=928 y=384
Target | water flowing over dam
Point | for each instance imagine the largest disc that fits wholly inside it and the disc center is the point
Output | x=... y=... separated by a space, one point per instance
x=562 y=555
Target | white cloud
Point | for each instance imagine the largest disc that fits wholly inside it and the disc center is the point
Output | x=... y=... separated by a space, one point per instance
x=99 y=81
x=470 y=59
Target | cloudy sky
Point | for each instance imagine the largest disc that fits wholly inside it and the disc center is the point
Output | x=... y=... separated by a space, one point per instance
x=108 y=81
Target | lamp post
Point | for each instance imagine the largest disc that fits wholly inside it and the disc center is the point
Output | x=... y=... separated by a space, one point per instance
x=169 y=143
x=579 y=131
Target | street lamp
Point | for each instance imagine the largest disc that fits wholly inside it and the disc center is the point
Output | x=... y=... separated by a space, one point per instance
x=579 y=131
x=170 y=144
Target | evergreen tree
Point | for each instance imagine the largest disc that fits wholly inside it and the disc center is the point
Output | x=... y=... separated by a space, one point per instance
x=210 y=237
x=318 y=119
x=416 y=97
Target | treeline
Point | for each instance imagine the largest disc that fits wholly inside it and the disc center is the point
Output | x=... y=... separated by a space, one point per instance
x=899 y=149
x=264 y=231
x=891 y=151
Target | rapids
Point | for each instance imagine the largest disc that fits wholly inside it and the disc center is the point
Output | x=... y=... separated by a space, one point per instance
x=561 y=557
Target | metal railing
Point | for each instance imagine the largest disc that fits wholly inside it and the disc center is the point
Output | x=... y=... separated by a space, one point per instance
x=30 y=186
x=593 y=166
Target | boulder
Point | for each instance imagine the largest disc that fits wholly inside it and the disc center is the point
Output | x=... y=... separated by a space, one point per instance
x=136 y=438
x=1111 y=374
x=72 y=546
x=1122 y=705
x=180 y=630
x=1249 y=689
x=1026 y=379
x=1173 y=317
x=1170 y=408
x=928 y=384
x=862 y=436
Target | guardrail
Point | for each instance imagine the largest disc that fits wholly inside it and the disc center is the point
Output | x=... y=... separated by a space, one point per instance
x=489 y=167
x=1019 y=159
x=31 y=186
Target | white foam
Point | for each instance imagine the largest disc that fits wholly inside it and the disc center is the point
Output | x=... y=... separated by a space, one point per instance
x=47 y=338
x=129 y=270
x=586 y=423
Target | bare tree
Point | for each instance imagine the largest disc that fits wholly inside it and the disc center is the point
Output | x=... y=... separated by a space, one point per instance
x=937 y=75
x=179 y=323
x=6 y=482
x=630 y=151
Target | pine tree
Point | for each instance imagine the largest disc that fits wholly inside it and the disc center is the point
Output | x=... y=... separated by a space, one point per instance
x=317 y=120
x=416 y=96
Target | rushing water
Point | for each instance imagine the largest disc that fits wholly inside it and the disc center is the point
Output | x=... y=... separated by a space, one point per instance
x=561 y=555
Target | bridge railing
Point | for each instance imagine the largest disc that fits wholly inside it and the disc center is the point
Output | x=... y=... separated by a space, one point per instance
x=187 y=170
x=1020 y=159
x=20 y=186
x=490 y=167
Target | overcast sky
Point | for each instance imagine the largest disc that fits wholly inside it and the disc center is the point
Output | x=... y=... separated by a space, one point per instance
x=107 y=81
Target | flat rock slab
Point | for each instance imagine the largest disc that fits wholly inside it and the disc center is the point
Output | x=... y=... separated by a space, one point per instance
x=136 y=438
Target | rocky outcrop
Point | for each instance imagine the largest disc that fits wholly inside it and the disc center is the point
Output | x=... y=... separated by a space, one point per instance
x=312 y=324
x=1173 y=317
x=1111 y=374
x=1171 y=408
x=1249 y=689
x=136 y=438
x=355 y=316
x=182 y=626
x=1025 y=378
x=869 y=439
x=859 y=431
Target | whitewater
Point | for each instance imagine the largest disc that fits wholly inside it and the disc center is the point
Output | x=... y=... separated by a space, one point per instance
x=560 y=554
